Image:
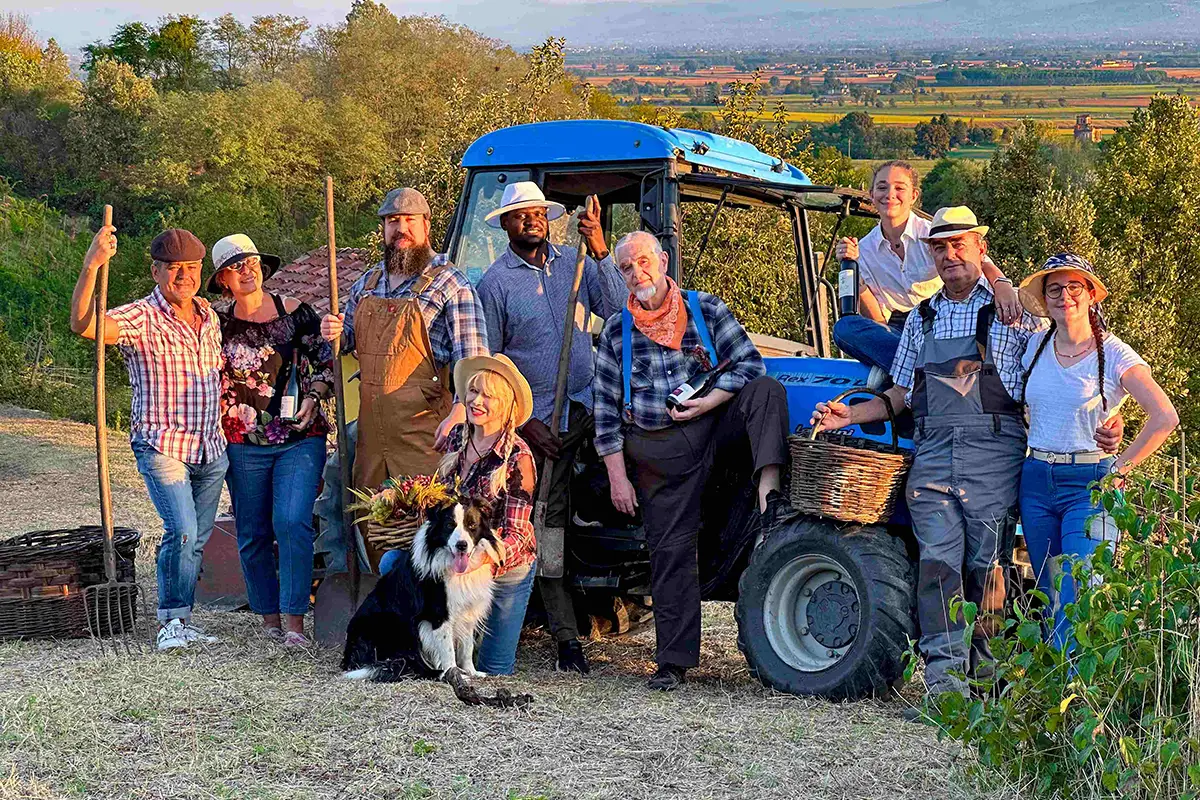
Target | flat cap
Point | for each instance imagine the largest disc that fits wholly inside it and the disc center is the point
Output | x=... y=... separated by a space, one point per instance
x=404 y=201
x=175 y=245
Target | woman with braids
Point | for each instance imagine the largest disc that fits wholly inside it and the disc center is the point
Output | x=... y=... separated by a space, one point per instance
x=492 y=463
x=1077 y=375
x=896 y=272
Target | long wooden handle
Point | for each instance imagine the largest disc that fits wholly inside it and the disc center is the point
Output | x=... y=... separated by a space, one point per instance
x=340 y=404
x=101 y=315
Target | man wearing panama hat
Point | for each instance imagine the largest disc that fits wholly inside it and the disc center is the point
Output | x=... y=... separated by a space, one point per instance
x=524 y=295
x=959 y=369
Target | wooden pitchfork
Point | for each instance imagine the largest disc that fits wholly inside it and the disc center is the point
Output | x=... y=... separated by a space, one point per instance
x=111 y=608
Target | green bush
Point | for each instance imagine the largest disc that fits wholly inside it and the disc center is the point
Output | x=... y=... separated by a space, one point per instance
x=1119 y=716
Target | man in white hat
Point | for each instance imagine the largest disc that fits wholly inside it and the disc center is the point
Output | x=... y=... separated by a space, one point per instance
x=959 y=369
x=409 y=319
x=524 y=295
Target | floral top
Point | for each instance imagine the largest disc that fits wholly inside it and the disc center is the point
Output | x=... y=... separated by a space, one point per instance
x=258 y=362
x=512 y=507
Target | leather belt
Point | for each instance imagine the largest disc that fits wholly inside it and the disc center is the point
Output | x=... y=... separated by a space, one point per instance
x=1068 y=458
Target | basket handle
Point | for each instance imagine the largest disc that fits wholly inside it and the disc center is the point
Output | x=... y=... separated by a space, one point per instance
x=887 y=404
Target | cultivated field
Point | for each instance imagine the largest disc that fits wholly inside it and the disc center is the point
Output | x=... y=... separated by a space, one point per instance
x=245 y=719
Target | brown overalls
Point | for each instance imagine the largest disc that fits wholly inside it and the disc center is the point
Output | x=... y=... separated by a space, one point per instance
x=404 y=395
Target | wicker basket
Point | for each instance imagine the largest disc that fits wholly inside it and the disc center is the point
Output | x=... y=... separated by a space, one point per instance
x=43 y=575
x=851 y=484
x=394 y=534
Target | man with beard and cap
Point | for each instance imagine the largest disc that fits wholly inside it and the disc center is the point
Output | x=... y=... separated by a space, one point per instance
x=524 y=295
x=409 y=319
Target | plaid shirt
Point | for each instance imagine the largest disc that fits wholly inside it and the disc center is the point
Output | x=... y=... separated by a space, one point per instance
x=175 y=376
x=512 y=508
x=957 y=318
x=658 y=371
x=457 y=334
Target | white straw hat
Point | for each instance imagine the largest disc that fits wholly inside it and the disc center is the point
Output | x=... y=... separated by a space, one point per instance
x=524 y=194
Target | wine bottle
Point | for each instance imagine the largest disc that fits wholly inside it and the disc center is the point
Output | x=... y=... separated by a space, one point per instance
x=697 y=386
x=848 y=287
x=289 y=403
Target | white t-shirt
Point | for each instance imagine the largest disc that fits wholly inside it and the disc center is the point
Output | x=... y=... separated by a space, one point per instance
x=898 y=285
x=1064 y=402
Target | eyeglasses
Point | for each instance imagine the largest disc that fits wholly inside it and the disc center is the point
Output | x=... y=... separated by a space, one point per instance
x=1074 y=289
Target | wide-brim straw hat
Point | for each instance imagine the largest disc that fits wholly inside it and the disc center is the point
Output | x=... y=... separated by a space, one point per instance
x=954 y=221
x=524 y=194
x=503 y=366
x=1032 y=292
x=232 y=249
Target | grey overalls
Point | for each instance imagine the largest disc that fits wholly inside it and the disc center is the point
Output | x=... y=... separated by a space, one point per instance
x=962 y=492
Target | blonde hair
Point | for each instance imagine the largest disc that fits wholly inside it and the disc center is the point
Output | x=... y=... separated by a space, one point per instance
x=490 y=384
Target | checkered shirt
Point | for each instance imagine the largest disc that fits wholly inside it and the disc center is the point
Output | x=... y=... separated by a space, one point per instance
x=175 y=376
x=956 y=319
x=658 y=371
x=458 y=333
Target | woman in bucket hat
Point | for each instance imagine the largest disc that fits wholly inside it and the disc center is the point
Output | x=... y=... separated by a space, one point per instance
x=493 y=464
x=277 y=370
x=1070 y=393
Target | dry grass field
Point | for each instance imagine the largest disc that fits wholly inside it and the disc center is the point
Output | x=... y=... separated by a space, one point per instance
x=246 y=719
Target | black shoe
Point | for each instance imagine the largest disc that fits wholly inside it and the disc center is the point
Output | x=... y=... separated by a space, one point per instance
x=571 y=658
x=778 y=510
x=917 y=715
x=668 y=678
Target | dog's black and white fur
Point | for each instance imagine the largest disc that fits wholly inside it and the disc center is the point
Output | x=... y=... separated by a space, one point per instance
x=422 y=616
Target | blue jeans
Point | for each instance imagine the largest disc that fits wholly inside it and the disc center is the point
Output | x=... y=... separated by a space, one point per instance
x=273 y=488
x=185 y=496
x=873 y=343
x=1062 y=525
x=497 y=652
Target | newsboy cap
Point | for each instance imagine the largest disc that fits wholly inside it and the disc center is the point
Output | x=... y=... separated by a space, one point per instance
x=404 y=201
x=175 y=244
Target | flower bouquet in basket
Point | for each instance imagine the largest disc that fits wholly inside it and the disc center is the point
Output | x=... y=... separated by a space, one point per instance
x=397 y=509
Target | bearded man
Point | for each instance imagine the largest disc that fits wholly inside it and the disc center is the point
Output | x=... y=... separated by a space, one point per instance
x=409 y=319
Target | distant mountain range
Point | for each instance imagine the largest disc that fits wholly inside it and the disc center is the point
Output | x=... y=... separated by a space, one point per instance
x=776 y=24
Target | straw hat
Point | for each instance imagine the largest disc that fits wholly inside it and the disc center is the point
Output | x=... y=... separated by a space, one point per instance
x=232 y=249
x=524 y=194
x=954 y=221
x=1032 y=291
x=503 y=366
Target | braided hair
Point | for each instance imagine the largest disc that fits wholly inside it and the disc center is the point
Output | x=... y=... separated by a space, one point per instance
x=1038 y=354
x=1098 y=334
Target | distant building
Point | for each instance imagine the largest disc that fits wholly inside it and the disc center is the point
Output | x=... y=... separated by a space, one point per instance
x=1085 y=132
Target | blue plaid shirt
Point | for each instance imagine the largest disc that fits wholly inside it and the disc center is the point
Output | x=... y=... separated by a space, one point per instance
x=525 y=308
x=957 y=318
x=456 y=334
x=658 y=371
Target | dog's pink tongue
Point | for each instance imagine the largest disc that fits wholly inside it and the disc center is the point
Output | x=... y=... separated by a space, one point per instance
x=460 y=562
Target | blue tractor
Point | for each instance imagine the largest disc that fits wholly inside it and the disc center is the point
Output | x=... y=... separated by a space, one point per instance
x=823 y=608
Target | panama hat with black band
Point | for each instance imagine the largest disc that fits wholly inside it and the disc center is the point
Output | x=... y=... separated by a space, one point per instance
x=953 y=221
x=232 y=249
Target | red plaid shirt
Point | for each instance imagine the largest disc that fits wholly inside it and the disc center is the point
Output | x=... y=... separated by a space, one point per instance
x=512 y=509
x=175 y=375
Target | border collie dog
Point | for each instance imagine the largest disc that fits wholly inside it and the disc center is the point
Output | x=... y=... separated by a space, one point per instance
x=421 y=618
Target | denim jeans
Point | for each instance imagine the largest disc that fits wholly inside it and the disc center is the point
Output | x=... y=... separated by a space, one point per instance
x=497 y=652
x=1062 y=525
x=873 y=343
x=185 y=496
x=273 y=488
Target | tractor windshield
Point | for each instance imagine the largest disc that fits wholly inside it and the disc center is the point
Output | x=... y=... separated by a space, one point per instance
x=479 y=244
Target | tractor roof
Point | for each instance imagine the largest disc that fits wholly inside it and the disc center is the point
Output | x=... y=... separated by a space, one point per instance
x=592 y=141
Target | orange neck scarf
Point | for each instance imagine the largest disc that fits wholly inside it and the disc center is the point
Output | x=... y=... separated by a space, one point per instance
x=664 y=325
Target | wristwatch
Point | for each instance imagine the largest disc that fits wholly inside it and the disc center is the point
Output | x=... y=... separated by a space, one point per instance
x=1116 y=470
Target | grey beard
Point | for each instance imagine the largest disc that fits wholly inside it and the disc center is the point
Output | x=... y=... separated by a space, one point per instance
x=404 y=262
x=645 y=294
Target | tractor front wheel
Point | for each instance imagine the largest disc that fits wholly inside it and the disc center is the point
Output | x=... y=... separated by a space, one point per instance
x=827 y=610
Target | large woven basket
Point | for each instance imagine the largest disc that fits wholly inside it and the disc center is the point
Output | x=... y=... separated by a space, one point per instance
x=43 y=575
x=851 y=484
x=394 y=534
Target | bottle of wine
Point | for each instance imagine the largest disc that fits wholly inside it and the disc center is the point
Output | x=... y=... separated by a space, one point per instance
x=848 y=287
x=289 y=403
x=697 y=386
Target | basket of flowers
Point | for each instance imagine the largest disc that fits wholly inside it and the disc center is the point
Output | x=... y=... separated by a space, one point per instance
x=395 y=512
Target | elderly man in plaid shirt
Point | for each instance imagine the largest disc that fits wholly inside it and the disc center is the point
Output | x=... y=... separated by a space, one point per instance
x=171 y=343
x=659 y=459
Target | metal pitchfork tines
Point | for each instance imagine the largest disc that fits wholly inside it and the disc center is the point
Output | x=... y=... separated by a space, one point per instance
x=111 y=607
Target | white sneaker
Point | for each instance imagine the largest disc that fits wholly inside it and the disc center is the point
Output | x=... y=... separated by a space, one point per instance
x=876 y=377
x=171 y=636
x=193 y=633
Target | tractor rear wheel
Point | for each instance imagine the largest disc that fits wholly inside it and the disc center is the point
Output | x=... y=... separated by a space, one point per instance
x=826 y=610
